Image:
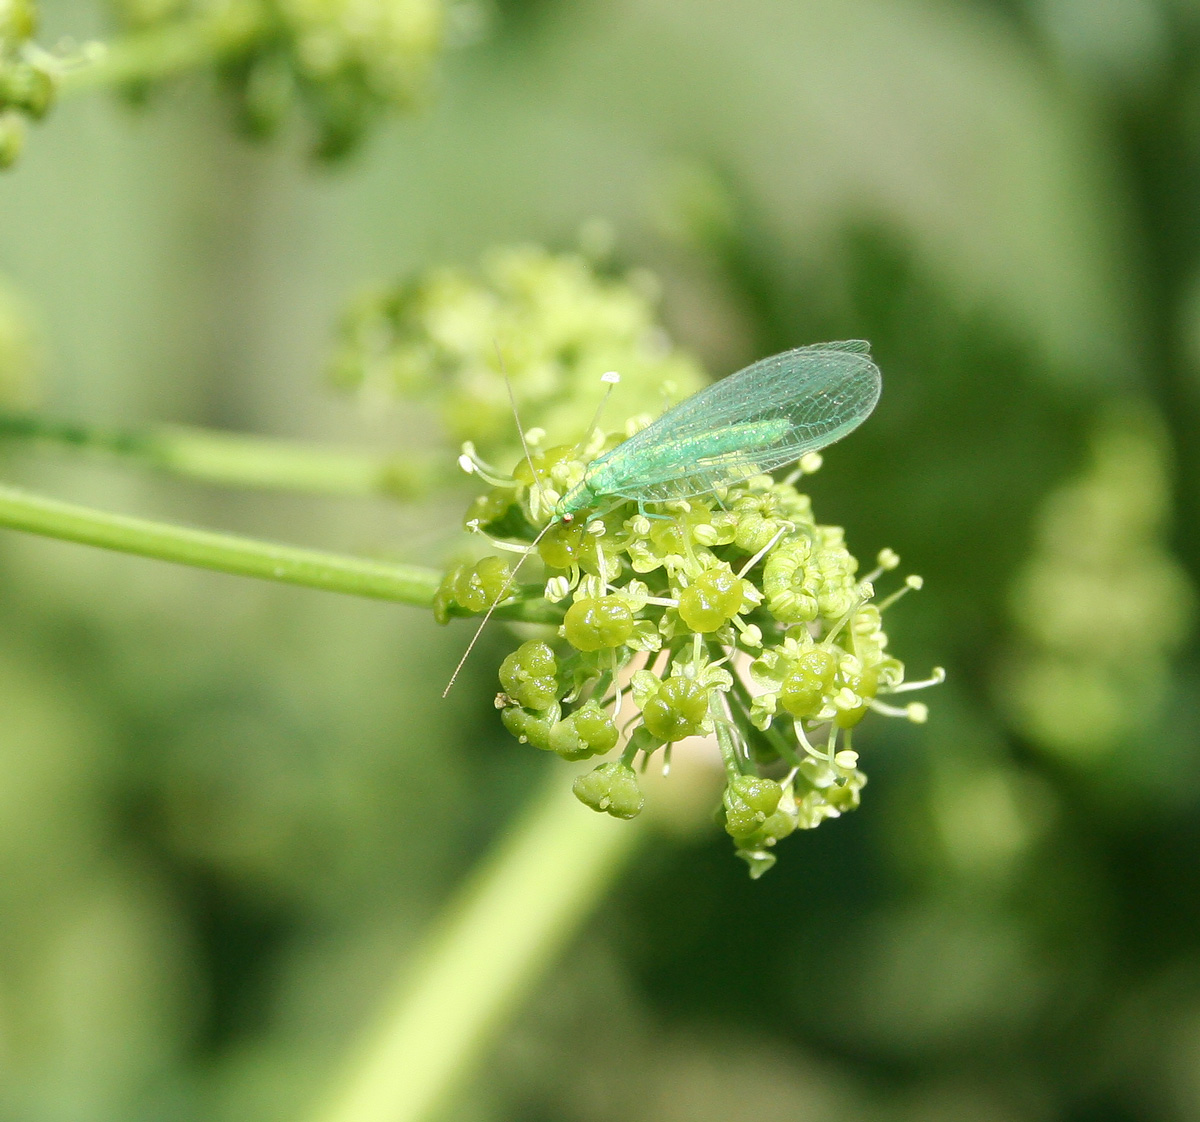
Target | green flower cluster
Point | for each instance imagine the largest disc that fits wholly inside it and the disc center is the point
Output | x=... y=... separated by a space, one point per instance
x=554 y=323
x=344 y=63
x=28 y=77
x=1101 y=605
x=733 y=616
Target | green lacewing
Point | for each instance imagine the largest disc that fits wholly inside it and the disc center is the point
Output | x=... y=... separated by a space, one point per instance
x=762 y=417
x=765 y=416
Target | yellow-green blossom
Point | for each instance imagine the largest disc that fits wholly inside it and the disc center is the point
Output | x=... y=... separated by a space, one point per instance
x=732 y=615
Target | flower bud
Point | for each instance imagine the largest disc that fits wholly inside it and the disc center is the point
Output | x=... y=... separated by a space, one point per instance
x=597 y=623
x=527 y=727
x=611 y=788
x=589 y=731
x=529 y=675
x=809 y=678
x=711 y=600
x=677 y=709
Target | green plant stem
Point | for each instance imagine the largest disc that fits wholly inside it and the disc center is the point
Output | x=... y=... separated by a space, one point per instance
x=729 y=751
x=141 y=56
x=226 y=553
x=232 y=459
x=489 y=948
x=245 y=557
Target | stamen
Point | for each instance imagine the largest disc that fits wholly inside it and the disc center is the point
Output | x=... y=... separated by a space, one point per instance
x=809 y=464
x=936 y=679
x=805 y=743
x=887 y=560
x=509 y=546
x=610 y=379
x=471 y=463
x=842 y=622
x=751 y=633
x=910 y=583
x=914 y=711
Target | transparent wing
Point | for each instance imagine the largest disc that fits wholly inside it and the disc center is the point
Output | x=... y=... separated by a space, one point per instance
x=767 y=415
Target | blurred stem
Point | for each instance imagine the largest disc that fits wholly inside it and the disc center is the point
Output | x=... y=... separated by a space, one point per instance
x=493 y=943
x=164 y=49
x=232 y=459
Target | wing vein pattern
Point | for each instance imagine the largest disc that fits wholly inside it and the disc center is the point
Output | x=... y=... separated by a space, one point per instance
x=769 y=414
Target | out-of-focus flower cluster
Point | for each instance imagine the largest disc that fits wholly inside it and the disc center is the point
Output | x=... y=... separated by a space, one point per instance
x=1102 y=605
x=732 y=615
x=28 y=77
x=345 y=63
x=554 y=322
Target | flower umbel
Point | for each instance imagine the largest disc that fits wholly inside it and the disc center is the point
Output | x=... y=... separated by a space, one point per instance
x=551 y=322
x=732 y=615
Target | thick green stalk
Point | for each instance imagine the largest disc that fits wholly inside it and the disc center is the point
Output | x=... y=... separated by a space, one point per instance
x=246 y=557
x=231 y=459
x=226 y=553
x=490 y=947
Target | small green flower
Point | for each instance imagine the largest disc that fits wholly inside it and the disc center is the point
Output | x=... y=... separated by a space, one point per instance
x=529 y=676
x=674 y=709
x=1102 y=604
x=27 y=87
x=712 y=599
x=589 y=731
x=808 y=682
x=28 y=77
x=598 y=623
x=749 y=801
x=474 y=588
x=611 y=788
x=530 y=728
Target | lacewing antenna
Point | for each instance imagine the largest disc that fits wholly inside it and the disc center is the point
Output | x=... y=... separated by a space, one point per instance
x=533 y=545
x=495 y=603
x=512 y=400
x=611 y=379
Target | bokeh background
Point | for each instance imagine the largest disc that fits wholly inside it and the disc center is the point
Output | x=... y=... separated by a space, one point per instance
x=228 y=810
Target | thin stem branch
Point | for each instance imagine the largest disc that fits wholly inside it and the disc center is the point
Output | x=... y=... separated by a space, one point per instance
x=491 y=945
x=232 y=459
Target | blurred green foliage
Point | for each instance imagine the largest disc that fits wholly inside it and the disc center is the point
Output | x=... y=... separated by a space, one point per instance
x=27 y=84
x=229 y=810
x=551 y=323
x=344 y=63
